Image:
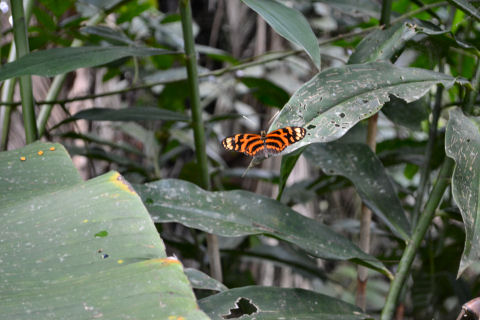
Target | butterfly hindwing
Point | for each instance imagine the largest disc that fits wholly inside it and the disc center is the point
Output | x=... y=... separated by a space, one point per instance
x=263 y=145
x=243 y=142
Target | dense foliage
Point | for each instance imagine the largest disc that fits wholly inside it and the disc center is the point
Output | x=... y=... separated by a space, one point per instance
x=376 y=206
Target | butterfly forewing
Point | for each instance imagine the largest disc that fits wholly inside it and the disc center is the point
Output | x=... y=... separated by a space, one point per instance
x=255 y=145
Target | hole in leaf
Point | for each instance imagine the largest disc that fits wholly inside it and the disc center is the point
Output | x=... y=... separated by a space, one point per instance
x=243 y=306
x=342 y=115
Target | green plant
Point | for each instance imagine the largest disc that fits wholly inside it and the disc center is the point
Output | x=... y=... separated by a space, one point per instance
x=412 y=75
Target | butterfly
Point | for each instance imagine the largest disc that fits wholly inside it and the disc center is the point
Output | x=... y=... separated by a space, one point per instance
x=263 y=144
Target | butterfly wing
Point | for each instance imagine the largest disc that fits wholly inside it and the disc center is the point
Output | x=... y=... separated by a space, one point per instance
x=248 y=143
x=277 y=140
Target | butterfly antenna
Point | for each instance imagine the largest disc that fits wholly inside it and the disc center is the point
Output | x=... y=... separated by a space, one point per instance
x=248 y=119
x=273 y=118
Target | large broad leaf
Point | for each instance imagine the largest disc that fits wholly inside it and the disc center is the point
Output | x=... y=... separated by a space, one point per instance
x=55 y=61
x=238 y=213
x=288 y=23
x=81 y=250
x=257 y=302
x=462 y=143
x=336 y=99
x=358 y=163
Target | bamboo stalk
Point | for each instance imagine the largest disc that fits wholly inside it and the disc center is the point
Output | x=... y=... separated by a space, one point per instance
x=198 y=128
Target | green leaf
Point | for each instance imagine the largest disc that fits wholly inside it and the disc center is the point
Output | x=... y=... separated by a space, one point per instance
x=266 y=91
x=356 y=8
x=256 y=302
x=466 y=7
x=127 y=114
x=336 y=99
x=409 y=115
x=52 y=264
x=116 y=37
x=238 y=213
x=288 y=163
x=359 y=164
x=462 y=143
x=55 y=61
x=200 y=280
x=289 y=23
x=382 y=44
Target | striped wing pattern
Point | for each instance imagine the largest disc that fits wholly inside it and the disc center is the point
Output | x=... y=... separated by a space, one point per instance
x=263 y=145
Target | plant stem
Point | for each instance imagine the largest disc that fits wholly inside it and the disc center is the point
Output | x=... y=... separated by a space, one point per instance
x=386 y=12
x=472 y=95
x=365 y=221
x=21 y=44
x=7 y=96
x=432 y=134
x=366 y=213
x=197 y=123
x=412 y=246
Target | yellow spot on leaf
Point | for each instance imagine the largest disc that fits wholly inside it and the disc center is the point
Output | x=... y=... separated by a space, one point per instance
x=23 y=158
x=40 y=152
x=122 y=183
x=52 y=148
x=85 y=221
x=120 y=261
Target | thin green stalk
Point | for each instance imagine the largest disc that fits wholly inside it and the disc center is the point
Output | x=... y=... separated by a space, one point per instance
x=9 y=86
x=386 y=12
x=21 y=44
x=472 y=95
x=57 y=83
x=7 y=96
x=197 y=123
x=412 y=246
x=432 y=135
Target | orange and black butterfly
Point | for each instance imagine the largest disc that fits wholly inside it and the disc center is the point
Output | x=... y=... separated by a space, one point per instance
x=263 y=145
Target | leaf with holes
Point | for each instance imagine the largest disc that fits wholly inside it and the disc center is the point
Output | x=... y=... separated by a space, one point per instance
x=462 y=143
x=238 y=213
x=81 y=250
x=256 y=302
x=336 y=99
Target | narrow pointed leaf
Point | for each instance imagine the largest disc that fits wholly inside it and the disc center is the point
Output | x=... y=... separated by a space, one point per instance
x=462 y=143
x=359 y=164
x=289 y=23
x=200 y=280
x=238 y=213
x=336 y=99
x=466 y=7
x=382 y=44
x=356 y=8
x=49 y=63
x=256 y=302
x=81 y=250
x=126 y=114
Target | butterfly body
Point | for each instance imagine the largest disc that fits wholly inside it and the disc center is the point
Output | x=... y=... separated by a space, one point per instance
x=263 y=145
